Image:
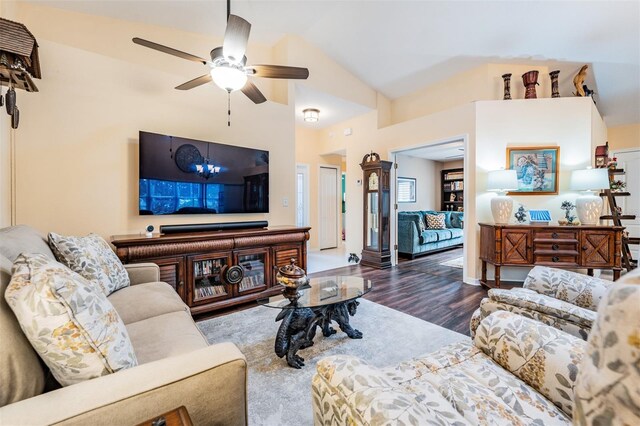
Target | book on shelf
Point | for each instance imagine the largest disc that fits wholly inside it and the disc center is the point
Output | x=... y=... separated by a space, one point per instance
x=454 y=175
x=204 y=288
x=207 y=267
x=252 y=281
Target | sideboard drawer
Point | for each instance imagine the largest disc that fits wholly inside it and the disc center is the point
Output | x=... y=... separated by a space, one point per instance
x=555 y=235
x=556 y=259
x=559 y=246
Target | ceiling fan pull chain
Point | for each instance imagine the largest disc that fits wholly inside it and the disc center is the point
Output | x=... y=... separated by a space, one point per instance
x=229 y=109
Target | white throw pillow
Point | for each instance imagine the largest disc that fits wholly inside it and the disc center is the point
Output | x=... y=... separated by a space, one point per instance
x=92 y=258
x=435 y=221
x=68 y=320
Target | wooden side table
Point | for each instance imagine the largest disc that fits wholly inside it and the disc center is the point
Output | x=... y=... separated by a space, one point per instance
x=176 y=417
x=564 y=247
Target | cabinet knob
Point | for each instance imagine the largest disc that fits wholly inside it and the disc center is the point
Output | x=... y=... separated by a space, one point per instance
x=555 y=247
x=585 y=248
x=554 y=235
x=555 y=258
x=180 y=284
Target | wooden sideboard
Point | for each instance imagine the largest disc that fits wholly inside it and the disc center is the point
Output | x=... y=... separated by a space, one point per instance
x=565 y=247
x=215 y=270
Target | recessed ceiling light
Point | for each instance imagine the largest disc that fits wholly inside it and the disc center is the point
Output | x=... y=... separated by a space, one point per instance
x=311 y=115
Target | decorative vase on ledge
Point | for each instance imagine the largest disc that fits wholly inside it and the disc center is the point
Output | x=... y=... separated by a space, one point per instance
x=555 y=93
x=530 y=80
x=507 y=86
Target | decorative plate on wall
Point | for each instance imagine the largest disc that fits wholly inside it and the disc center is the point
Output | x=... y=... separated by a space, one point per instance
x=186 y=156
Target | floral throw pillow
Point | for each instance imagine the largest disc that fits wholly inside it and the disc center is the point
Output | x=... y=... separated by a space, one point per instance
x=435 y=221
x=68 y=320
x=92 y=258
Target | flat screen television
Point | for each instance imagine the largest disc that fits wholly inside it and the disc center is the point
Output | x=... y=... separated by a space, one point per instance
x=186 y=176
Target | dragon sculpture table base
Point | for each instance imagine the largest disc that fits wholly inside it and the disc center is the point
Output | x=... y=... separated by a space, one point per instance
x=298 y=328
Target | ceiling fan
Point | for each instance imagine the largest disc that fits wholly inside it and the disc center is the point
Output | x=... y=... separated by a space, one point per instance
x=228 y=67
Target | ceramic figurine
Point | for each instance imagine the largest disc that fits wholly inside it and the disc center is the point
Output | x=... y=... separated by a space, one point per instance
x=567 y=206
x=578 y=80
x=521 y=215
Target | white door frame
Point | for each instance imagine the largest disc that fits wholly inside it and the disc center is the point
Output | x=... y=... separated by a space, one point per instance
x=338 y=170
x=304 y=169
x=394 y=178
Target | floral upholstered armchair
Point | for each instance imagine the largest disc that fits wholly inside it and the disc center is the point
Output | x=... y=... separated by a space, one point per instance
x=562 y=299
x=517 y=371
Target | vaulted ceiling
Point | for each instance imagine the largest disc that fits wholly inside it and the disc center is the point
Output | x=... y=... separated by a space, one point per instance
x=397 y=47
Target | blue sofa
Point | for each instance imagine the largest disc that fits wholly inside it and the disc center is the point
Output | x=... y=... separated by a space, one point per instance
x=412 y=243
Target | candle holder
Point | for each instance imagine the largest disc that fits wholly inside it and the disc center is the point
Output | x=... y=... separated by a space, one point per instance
x=554 y=83
x=530 y=80
x=507 y=86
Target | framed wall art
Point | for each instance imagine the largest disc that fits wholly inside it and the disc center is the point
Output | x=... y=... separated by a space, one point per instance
x=537 y=169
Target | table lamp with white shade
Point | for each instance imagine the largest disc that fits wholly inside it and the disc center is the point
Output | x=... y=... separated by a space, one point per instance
x=502 y=181
x=589 y=205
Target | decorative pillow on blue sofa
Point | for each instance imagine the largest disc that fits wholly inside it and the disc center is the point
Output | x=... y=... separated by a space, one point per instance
x=435 y=221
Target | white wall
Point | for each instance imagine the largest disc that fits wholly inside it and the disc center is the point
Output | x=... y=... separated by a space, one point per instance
x=427 y=175
x=77 y=148
x=564 y=122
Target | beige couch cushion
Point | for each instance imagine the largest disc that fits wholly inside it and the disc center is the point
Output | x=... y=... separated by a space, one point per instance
x=143 y=301
x=21 y=373
x=22 y=239
x=164 y=336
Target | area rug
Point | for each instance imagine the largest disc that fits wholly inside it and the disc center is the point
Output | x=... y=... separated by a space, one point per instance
x=281 y=395
x=458 y=262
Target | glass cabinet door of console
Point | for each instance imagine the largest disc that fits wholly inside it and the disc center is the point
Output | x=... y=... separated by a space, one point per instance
x=253 y=266
x=373 y=232
x=207 y=279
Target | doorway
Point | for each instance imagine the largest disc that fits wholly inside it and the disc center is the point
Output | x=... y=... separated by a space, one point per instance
x=302 y=195
x=328 y=196
x=423 y=176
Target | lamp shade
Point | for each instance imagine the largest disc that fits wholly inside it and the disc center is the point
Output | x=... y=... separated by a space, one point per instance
x=589 y=179
x=502 y=180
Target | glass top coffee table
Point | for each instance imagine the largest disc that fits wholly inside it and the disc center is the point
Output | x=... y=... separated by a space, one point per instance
x=323 y=300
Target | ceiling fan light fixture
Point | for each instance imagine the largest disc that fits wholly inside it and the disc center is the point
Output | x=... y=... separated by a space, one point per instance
x=311 y=115
x=228 y=77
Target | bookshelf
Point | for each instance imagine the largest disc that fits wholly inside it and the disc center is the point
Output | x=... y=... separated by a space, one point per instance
x=452 y=189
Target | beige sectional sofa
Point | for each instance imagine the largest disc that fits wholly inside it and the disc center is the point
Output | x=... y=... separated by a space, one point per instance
x=176 y=365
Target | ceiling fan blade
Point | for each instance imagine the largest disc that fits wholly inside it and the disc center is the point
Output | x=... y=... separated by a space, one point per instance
x=169 y=50
x=279 y=71
x=198 y=81
x=253 y=93
x=235 y=38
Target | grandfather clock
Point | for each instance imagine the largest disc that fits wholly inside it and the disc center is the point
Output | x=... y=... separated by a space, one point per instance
x=376 y=251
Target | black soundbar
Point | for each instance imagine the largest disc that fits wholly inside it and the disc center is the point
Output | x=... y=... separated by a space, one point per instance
x=209 y=227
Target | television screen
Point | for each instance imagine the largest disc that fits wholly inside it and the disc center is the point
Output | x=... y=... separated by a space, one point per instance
x=185 y=176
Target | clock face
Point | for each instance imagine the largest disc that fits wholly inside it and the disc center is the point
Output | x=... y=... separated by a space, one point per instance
x=373 y=181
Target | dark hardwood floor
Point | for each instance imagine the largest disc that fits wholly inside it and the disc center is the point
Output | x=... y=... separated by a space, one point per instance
x=424 y=289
